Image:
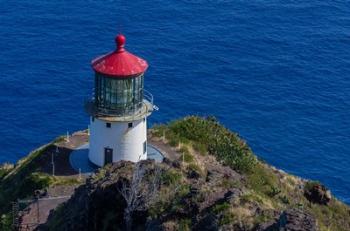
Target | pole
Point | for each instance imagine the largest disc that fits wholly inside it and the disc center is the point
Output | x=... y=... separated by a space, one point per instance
x=53 y=164
x=37 y=208
x=79 y=173
x=67 y=137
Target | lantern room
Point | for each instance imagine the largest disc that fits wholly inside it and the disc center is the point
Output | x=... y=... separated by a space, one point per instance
x=119 y=81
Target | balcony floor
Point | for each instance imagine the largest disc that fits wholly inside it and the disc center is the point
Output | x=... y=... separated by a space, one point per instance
x=144 y=111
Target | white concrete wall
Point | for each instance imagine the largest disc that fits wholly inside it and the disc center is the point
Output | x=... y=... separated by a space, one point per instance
x=127 y=143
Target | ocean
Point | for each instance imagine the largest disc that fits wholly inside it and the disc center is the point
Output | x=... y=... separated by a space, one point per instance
x=276 y=72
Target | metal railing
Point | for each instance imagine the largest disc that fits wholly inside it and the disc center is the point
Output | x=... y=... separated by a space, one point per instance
x=148 y=96
x=126 y=110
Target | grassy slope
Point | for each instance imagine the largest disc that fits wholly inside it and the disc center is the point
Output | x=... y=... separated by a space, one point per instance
x=270 y=188
x=22 y=180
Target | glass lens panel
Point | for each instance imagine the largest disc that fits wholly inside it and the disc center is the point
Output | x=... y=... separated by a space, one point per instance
x=118 y=96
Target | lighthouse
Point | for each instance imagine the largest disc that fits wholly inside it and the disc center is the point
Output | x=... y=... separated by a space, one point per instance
x=119 y=107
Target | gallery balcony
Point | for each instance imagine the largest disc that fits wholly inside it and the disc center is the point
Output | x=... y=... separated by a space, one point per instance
x=123 y=112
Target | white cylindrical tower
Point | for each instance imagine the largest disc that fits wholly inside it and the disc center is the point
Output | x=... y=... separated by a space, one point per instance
x=119 y=108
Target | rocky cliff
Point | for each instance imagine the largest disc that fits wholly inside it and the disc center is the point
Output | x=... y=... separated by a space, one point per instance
x=209 y=180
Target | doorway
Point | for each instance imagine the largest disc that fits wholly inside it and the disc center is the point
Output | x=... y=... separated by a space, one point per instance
x=108 y=155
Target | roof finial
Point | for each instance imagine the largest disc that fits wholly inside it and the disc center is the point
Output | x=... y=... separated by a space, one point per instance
x=120 y=41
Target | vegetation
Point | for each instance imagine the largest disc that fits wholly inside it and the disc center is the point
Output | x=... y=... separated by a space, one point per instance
x=218 y=208
x=233 y=187
x=20 y=181
x=207 y=135
x=310 y=184
x=194 y=167
x=185 y=225
x=266 y=187
x=171 y=177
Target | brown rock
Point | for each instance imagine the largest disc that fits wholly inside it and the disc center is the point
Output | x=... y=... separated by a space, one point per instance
x=290 y=220
x=318 y=193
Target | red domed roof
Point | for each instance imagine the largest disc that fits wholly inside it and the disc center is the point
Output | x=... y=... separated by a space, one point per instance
x=119 y=63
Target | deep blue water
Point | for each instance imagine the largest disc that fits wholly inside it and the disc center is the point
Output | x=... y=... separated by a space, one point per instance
x=277 y=72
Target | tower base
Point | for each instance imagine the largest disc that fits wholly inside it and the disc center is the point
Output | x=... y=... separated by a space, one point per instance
x=112 y=141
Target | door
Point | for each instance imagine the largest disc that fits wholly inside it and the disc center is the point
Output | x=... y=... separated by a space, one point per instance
x=108 y=155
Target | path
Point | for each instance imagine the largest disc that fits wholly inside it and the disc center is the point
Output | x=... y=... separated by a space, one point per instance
x=36 y=212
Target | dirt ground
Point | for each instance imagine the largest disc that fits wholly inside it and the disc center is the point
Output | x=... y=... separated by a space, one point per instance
x=60 y=154
x=36 y=212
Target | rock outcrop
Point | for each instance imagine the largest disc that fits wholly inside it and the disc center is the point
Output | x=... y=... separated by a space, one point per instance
x=317 y=193
x=210 y=180
x=291 y=220
x=202 y=204
x=99 y=203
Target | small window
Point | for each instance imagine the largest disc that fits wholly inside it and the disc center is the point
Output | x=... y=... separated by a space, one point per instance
x=92 y=119
x=144 y=147
x=129 y=125
x=108 y=125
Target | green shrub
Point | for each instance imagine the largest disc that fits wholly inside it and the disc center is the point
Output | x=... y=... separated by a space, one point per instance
x=187 y=157
x=310 y=184
x=20 y=181
x=3 y=173
x=174 y=138
x=183 y=190
x=273 y=191
x=177 y=204
x=227 y=218
x=251 y=197
x=200 y=197
x=34 y=181
x=262 y=218
x=158 y=208
x=6 y=222
x=262 y=180
x=159 y=130
x=218 y=208
x=219 y=141
x=59 y=139
x=201 y=148
x=67 y=181
x=194 y=167
x=229 y=183
x=171 y=177
x=174 y=142
x=184 y=149
x=185 y=224
x=284 y=199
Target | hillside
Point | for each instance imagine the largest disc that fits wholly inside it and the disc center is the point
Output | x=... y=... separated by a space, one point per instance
x=209 y=180
x=32 y=175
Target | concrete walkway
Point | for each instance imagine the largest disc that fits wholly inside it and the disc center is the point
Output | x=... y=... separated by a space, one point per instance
x=79 y=160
